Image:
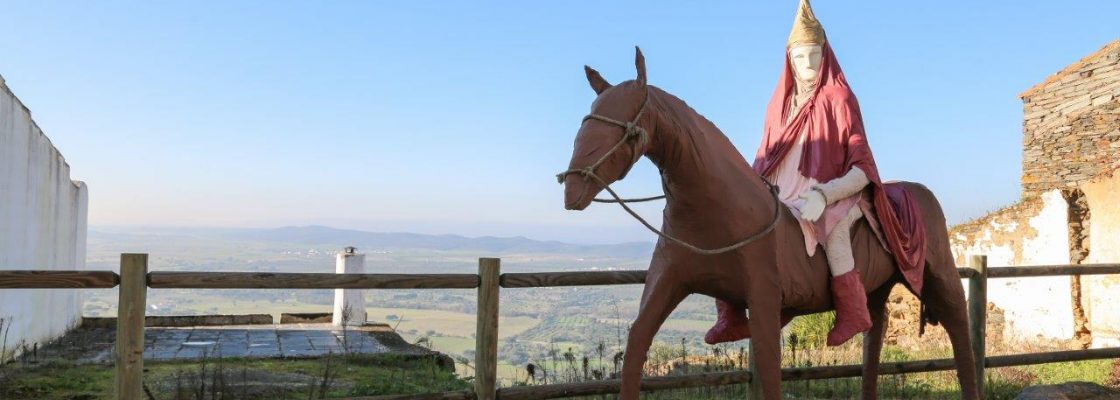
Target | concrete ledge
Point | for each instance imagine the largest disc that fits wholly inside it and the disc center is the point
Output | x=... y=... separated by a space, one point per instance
x=186 y=320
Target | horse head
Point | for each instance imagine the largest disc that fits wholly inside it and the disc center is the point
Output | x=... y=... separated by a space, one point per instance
x=611 y=138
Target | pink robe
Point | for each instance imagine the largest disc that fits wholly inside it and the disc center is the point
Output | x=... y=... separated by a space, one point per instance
x=835 y=143
x=791 y=184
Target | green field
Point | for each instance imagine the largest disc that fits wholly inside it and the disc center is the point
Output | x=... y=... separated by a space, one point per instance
x=446 y=323
x=673 y=323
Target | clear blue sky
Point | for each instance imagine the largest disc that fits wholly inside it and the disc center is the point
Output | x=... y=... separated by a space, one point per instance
x=452 y=117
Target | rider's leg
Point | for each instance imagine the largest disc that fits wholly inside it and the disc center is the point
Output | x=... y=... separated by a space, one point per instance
x=731 y=324
x=848 y=294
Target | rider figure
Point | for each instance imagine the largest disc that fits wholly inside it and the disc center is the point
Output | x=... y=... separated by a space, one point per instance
x=814 y=150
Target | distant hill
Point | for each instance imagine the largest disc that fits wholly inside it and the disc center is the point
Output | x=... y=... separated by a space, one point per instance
x=370 y=241
x=400 y=240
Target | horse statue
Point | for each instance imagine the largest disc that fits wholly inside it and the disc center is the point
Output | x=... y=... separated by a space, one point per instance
x=714 y=199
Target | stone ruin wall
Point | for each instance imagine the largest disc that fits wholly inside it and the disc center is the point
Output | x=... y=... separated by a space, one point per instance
x=1071 y=148
x=1034 y=231
x=1061 y=148
x=1082 y=309
x=1101 y=293
x=903 y=326
x=1020 y=234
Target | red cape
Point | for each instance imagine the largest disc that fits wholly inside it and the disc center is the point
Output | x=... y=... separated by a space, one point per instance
x=836 y=143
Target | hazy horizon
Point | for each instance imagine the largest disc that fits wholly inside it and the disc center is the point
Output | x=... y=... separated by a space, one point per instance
x=576 y=236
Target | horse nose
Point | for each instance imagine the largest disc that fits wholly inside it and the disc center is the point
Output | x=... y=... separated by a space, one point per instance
x=575 y=188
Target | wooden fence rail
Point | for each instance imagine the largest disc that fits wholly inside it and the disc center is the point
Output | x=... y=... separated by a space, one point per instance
x=58 y=279
x=258 y=280
x=37 y=279
x=134 y=279
x=557 y=279
x=1054 y=270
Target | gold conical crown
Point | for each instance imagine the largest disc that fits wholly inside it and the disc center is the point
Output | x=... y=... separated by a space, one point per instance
x=806 y=28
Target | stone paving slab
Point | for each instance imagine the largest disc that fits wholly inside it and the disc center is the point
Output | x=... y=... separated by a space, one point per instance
x=165 y=344
x=252 y=341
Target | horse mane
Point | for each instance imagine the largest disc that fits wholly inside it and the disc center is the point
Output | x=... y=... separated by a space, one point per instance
x=702 y=133
x=684 y=118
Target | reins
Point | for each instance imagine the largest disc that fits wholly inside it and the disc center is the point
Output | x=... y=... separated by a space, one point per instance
x=634 y=131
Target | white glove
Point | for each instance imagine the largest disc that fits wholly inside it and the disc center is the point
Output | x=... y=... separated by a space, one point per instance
x=812 y=205
x=843 y=187
x=816 y=199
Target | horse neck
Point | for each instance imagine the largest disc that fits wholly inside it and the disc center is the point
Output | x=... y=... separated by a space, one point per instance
x=701 y=168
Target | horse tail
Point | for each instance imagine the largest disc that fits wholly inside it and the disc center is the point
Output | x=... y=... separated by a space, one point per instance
x=925 y=318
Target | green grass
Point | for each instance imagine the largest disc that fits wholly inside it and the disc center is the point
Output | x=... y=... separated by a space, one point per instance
x=364 y=376
x=1002 y=384
x=56 y=381
x=1096 y=371
x=379 y=375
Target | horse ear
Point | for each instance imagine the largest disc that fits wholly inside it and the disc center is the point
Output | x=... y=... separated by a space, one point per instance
x=640 y=63
x=597 y=82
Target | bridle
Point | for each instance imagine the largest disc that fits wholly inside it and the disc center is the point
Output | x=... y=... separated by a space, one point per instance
x=634 y=131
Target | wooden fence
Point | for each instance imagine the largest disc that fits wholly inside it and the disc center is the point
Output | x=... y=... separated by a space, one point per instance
x=134 y=279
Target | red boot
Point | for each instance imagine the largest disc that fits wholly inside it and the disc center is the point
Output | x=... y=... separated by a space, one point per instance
x=850 y=300
x=731 y=324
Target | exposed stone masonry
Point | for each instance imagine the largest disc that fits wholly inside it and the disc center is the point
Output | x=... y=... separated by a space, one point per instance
x=1078 y=251
x=903 y=323
x=1010 y=227
x=1071 y=124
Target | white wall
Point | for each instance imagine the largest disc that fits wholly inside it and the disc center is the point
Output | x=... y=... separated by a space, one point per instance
x=1034 y=308
x=42 y=225
x=1100 y=293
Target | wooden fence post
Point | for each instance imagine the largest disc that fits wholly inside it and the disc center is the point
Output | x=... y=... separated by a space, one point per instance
x=130 y=326
x=977 y=315
x=754 y=387
x=486 y=335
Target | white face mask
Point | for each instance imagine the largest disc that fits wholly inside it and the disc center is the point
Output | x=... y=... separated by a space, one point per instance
x=806 y=61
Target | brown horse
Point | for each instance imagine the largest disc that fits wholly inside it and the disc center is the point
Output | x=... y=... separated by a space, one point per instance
x=715 y=199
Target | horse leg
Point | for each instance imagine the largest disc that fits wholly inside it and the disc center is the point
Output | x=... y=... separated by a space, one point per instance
x=659 y=299
x=944 y=300
x=873 y=340
x=766 y=332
